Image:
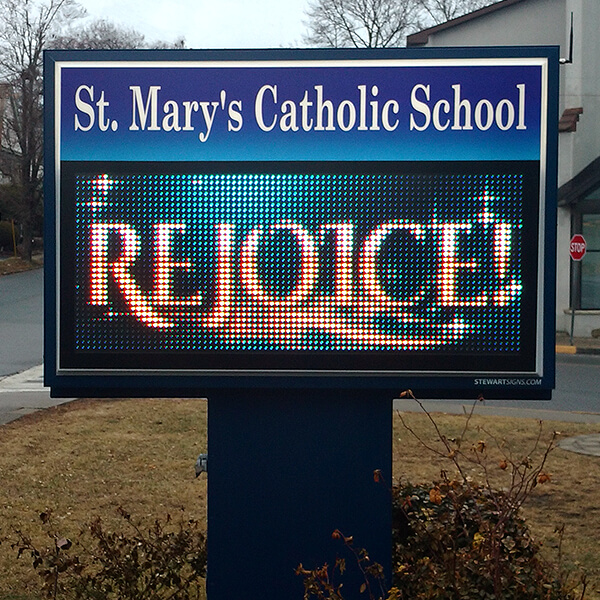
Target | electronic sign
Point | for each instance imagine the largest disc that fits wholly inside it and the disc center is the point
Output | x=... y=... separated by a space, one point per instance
x=301 y=219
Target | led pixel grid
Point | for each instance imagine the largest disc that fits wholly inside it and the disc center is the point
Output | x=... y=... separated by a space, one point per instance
x=302 y=262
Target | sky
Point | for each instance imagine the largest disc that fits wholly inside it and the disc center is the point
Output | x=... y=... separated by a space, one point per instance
x=209 y=23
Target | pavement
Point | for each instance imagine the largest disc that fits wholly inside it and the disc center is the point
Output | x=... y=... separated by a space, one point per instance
x=25 y=393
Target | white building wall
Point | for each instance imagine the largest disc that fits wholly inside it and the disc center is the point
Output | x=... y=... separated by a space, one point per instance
x=533 y=22
x=582 y=82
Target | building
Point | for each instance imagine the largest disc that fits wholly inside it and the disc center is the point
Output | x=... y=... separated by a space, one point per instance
x=572 y=25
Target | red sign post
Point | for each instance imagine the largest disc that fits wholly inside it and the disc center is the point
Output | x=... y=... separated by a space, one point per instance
x=577 y=247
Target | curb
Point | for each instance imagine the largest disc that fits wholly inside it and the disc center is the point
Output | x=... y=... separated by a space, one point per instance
x=564 y=349
x=560 y=349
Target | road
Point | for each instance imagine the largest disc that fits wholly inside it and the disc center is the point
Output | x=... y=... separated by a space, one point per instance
x=21 y=321
x=577 y=394
x=578 y=382
x=576 y=397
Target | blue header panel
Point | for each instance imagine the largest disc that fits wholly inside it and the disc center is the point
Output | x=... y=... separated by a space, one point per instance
x=302 y=110
x=301 y=219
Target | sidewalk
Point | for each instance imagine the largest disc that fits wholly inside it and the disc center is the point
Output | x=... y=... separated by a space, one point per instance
x=24 y=393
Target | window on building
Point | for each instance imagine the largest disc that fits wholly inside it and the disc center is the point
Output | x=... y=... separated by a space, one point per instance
x=590 y=265
x=585 y=289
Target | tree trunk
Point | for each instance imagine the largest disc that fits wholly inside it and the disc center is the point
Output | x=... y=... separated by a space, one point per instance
x=26 y=246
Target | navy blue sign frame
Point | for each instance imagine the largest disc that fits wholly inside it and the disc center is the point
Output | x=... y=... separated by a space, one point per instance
x=333 y=219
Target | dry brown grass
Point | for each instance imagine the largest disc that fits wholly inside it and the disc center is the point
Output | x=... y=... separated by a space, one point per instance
x=87 y=458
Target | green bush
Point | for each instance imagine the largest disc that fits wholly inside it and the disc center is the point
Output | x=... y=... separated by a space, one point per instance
x=6 y=236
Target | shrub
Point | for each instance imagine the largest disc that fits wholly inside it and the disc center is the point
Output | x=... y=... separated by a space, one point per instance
x=6 y=237
x=450 y=541
x=166 y=560
x=455 y=539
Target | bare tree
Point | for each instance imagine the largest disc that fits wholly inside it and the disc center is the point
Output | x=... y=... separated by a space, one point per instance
x=99 y=34
x=102 y=34
x=360 y=23
x=25 y=28
x=440 y=11
x=378 y=23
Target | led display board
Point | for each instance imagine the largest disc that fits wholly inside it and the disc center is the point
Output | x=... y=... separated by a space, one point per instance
x=336 y=219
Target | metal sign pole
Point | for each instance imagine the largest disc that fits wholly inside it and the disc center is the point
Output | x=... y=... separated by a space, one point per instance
x=577 y=250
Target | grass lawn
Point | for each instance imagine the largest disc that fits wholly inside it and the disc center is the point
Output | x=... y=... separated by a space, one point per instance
x=87 y=458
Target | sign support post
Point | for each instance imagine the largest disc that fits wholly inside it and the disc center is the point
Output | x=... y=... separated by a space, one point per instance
x=285 y=470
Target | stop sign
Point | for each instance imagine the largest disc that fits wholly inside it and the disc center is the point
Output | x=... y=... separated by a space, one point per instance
x=577 y=247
